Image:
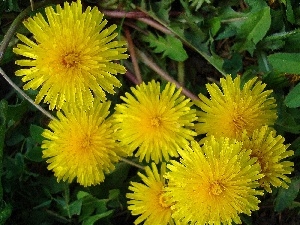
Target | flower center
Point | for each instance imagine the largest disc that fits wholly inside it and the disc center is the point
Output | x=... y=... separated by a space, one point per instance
x=163 y=201
x=216 y=188
x=155 y=122
x=239 y=122
x=85 y=143
x=71 y=59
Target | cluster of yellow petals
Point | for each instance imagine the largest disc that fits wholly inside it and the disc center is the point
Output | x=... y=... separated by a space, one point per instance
x=232 y=109
x=80 y=144
x=71 y=57
x=71 y=61
x=214 y=183
x=157 y=122
x=147 y=199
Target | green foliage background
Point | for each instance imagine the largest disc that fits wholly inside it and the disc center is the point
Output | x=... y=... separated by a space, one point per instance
x=195 y=42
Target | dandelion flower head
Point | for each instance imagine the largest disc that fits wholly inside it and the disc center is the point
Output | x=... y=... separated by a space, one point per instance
x=155 y=122
x=80 y=144
x=71 y=56
x=147 y=199
x=270 y=151
x=233 y=109
x=214 y=183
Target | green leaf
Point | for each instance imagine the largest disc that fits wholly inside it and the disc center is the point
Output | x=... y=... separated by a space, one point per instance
x=169 y=46
x=198 y=3
x=289 y=12
x=233 y=65
x=285 y=62
x=253 y=30
x=35 y=154
x=292 y=100
x=16 y=112
x=82 y=194
x=113 y=194
x=215 y=25
x=14 y=139
x=91 y=220
x=287 y=196
x=36 y=133
x=162 y=9
x=75 y=207
x=90 y=205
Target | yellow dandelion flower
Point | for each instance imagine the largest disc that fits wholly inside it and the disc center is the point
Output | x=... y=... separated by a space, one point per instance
x=147 y=199
x=270 y=150
x=214 y=183
x=155 y=122
x=70 y=59
x=80 y=144
x=233 y=109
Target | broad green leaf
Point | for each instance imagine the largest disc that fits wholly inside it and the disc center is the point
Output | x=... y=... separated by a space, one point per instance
x=114 y=194
x=233 y=65
x=287 y=196
x=16 y=112
x=215 y=25
x=256 y=5
x=75 y=207
x=82 y=194
x=162 y=9
x=91 y=220
x=200 y=48
x=290 y=12
x=292 y=100
x=14 y=139
x=285 y=62
x=253 y=30
x=90 y=205
x=36 y=133
x=287 y=120
x=35 y=154
x=169 y=46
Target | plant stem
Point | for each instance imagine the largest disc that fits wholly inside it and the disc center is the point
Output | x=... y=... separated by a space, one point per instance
x=13 y=27
x=124 y=14
x=8 y=36
x=46 y=113
x=132 y=163
x=131 y=49
x=149 y=62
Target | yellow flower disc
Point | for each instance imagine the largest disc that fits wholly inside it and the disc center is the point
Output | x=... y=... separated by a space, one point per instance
x=80 y=144
x=269 y=149
x=157 y=123
x=214 y=183
x=71 y=56
x=147 y=199
x=233 y=109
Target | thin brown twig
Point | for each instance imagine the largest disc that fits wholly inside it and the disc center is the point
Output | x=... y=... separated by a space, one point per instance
x=141 y=16
x=131 y=24
x=155 y=25
x=131 y=163
x=124 y=14
x=46 y=113
x=131 y=76
x=131 y=49
x=150 y=63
